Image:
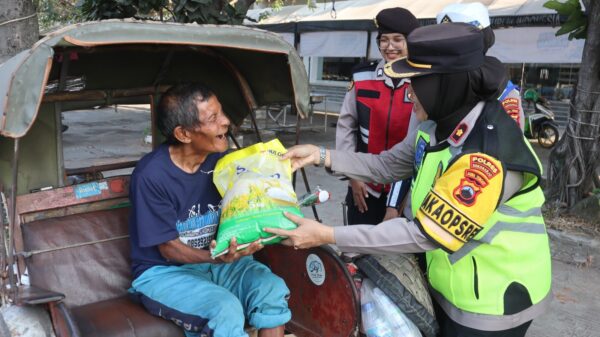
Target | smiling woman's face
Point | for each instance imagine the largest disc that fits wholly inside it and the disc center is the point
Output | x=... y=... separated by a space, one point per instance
x=420 y=112
x=392 y=46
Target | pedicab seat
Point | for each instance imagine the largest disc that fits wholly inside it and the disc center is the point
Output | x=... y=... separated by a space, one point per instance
x=85 y=256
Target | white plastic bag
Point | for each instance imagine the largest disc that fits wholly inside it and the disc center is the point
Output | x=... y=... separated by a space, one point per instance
x=381 y=317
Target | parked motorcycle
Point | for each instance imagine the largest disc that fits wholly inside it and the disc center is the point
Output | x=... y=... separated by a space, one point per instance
x=540 y=124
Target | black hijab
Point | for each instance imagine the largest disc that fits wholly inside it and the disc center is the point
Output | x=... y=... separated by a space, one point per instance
x=448 y=98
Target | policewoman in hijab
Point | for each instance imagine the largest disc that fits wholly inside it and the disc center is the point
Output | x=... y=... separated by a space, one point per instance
x=476 y=198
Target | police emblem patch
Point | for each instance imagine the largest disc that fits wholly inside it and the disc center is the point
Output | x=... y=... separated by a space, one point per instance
x=511 y=106
x=476 y=178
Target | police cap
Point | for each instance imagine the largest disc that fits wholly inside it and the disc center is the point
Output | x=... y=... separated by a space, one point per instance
x=396 y=20
x=447 y=48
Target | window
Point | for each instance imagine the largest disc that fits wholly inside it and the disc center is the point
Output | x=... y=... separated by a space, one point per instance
x=337 y=68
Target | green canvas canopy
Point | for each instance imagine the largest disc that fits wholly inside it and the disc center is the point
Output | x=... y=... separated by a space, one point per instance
x=120 y=61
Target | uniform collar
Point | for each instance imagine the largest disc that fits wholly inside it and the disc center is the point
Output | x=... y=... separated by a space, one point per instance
x=464 y=128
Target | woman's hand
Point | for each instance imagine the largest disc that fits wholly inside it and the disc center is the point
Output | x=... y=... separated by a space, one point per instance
x=233 y=254
x=302 y=155
x=390 y=213
x=309 y=233
x=359 y=194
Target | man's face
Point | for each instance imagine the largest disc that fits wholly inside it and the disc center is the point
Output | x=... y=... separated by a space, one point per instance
x=211 y=135
x=392 y=46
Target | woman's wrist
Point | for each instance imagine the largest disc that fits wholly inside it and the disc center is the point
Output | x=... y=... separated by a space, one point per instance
x=328 y=235
x=321 y=156
x=327 y=158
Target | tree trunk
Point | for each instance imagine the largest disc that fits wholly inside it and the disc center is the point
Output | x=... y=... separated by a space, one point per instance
x=574 y=161
x=18 y=27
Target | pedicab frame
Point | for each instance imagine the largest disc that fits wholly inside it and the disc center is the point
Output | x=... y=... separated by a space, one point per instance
x=127 y=62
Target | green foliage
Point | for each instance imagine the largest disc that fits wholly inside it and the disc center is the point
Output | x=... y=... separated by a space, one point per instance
x=576 y=23
x=120 y=9
x=199 y=11
x=52 y=13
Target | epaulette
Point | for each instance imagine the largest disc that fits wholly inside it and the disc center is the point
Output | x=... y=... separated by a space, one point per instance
x=365 y=66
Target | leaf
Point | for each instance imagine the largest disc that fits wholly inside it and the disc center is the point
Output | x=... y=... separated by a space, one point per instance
x=561 y=8
x=575 y=24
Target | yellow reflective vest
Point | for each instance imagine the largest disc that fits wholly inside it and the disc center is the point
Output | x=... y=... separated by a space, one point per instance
x=493 y=268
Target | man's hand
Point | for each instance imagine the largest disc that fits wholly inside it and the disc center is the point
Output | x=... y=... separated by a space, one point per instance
x=390 y=213
x=302 y=155
x=309 y=233
x=233 y=254
x=359 y=193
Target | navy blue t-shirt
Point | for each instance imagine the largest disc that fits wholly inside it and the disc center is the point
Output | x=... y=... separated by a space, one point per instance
x=168 y=203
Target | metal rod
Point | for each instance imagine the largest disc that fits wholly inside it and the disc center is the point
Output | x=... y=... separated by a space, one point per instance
x=100 y=168
x=12 y=215
x=253 y=119
x=314 y=208
x=76 y=245
x=302 y=171
x=3 y=257
x=102 y=95
x=522 y=84
x=62 y=81
x=345 y=212
x=235 y=142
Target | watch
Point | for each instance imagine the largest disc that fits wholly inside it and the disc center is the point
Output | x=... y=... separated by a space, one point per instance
x=322 y=156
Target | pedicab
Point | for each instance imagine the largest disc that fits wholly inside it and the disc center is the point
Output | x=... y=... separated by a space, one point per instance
x=65 y=251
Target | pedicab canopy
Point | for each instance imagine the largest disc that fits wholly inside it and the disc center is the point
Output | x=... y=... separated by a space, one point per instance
x=128 y=61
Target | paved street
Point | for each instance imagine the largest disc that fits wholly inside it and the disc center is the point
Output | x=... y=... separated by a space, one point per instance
x=105 y=133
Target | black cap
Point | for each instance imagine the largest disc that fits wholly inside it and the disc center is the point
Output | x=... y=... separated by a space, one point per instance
x=395 y=20
x=447 y=48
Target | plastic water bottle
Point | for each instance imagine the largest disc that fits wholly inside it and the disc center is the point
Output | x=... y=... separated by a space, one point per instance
x=373 y=325
x=395 y=317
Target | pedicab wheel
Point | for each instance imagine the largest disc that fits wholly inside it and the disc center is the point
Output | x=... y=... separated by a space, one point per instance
x=548 y=135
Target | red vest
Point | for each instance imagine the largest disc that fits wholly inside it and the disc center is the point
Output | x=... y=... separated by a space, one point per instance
x=383 y=112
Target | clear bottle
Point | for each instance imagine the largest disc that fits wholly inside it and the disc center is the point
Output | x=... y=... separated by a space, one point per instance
x=397 y=320
x=373 y=324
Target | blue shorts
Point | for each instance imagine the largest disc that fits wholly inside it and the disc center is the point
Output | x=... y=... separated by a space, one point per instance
x=215 y=299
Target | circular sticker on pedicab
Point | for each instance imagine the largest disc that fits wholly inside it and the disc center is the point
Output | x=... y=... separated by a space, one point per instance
x=315 y=269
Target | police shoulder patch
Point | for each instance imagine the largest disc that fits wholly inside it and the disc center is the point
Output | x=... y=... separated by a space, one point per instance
x=461 y=201
x=512 y=107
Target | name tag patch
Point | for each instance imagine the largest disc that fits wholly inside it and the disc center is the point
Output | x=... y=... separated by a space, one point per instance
x=451 y=219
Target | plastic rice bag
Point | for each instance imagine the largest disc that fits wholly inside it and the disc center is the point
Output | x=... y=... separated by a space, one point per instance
x=256 y=188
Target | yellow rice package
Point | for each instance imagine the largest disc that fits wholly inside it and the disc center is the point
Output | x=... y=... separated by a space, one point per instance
x=256 y=187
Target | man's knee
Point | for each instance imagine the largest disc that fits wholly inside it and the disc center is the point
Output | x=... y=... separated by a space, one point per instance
x=227 y=307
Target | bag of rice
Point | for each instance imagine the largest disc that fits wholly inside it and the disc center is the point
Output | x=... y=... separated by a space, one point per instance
x=256 y=188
